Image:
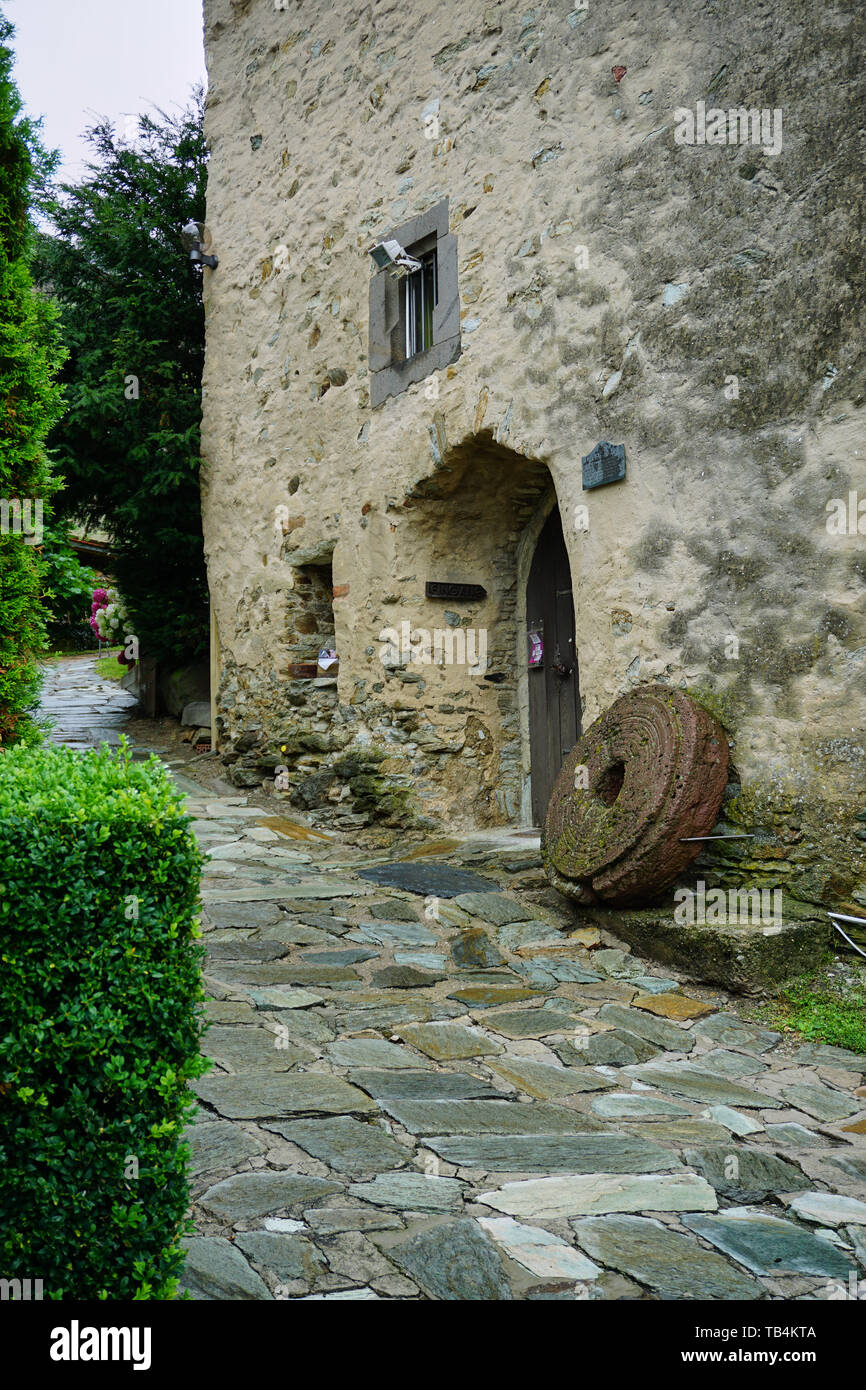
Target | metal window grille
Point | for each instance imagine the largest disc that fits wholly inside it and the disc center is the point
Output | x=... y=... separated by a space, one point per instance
x=421 y=294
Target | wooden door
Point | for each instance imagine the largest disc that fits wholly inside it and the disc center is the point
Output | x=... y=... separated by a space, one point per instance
x=554 y=693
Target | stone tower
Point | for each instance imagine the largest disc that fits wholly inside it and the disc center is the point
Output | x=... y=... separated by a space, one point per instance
x=630 y=226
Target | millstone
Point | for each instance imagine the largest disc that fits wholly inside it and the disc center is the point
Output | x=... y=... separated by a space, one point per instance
x=656 y=766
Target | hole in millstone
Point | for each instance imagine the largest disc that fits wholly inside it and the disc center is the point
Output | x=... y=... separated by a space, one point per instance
x=610 y=783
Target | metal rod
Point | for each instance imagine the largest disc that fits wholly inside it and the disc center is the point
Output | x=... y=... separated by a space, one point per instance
x=845 y=935
x=687 y=839
x=858 y=921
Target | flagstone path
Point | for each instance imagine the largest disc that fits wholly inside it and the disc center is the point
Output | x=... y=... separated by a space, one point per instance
x=84 y=709
x=431 y=1082
x=457 y=1093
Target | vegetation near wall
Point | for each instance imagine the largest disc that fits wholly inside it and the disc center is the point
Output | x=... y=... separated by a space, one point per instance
x=100 y=1022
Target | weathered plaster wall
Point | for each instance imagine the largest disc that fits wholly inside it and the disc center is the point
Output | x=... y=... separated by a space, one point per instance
x=703 y=263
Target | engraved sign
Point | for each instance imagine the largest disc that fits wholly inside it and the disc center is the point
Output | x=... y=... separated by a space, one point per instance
x=468 y=592
x=604 y=464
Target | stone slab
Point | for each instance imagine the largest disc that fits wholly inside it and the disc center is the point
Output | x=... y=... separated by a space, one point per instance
x=347 y=1145
x=822 y=1102
x=597 y=1193
x=560 y=1153
x=448 y=1041
x=673 y=1006
x=822 y=1054
x=745 y=1174
x=669 y=1264
x=473 y=948
x=425 y=960
x=627 y=1105
x=278 y=892
x=680 y=1133
x=543 y=1254
x=288 y=1093
x=495 y=908
x=730 y=1031
x=216 y=1144
x=216 y=1271
x=406 y=977
x=242 y=950
x=393 y=910
x=427 y=880
x=723 y=1063
x=284 y=998
x=411 y=1192
x=488 y=996
x=252 y=914
x=453 y=1262
x=612 y=1048
x=423 y=1085
x=547 y=1082
x=518 y=935
x=485 y=1117
x=289 y=1256
x=829 y=1209
x=739 y=958
x=689 y=1080
x=795 y=1136
x=388 y=1017
x=330 y=1221
x=406 y=933
x=276 y=973
x=371 y=1052
x=530 y=1023
x=244 y=1049
x=354 y=956
x=247 y=1195
x=657 y=1031
x=733 y=1120
x=769 y=1245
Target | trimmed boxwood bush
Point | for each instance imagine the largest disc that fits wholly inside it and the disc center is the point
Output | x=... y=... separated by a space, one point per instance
x=101 y=1018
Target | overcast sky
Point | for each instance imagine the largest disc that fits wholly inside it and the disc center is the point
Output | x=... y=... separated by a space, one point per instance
x=79 y=60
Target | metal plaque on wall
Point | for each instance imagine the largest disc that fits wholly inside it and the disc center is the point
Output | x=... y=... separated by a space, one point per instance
x=604 y=464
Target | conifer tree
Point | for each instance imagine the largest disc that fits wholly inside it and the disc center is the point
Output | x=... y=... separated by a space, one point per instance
x=30 y=403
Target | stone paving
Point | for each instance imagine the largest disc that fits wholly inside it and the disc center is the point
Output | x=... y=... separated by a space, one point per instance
x=449 y=1089
x=83 y=709
x=458 y=1093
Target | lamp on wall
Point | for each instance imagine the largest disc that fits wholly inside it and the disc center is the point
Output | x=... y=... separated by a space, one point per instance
x=192 y=237
x=390 y=256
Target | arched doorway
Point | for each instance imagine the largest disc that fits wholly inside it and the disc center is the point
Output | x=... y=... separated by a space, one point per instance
x=551 y=653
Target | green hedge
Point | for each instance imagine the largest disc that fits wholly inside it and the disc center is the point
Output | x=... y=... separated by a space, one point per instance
x=100 y=1022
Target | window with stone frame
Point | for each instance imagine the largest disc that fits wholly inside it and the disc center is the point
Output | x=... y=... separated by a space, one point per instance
x=415 y=320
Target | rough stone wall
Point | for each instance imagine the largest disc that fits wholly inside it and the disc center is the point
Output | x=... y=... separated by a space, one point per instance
x=710 y=326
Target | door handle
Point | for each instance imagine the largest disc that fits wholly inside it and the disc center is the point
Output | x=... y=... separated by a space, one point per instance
x=560 y=667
